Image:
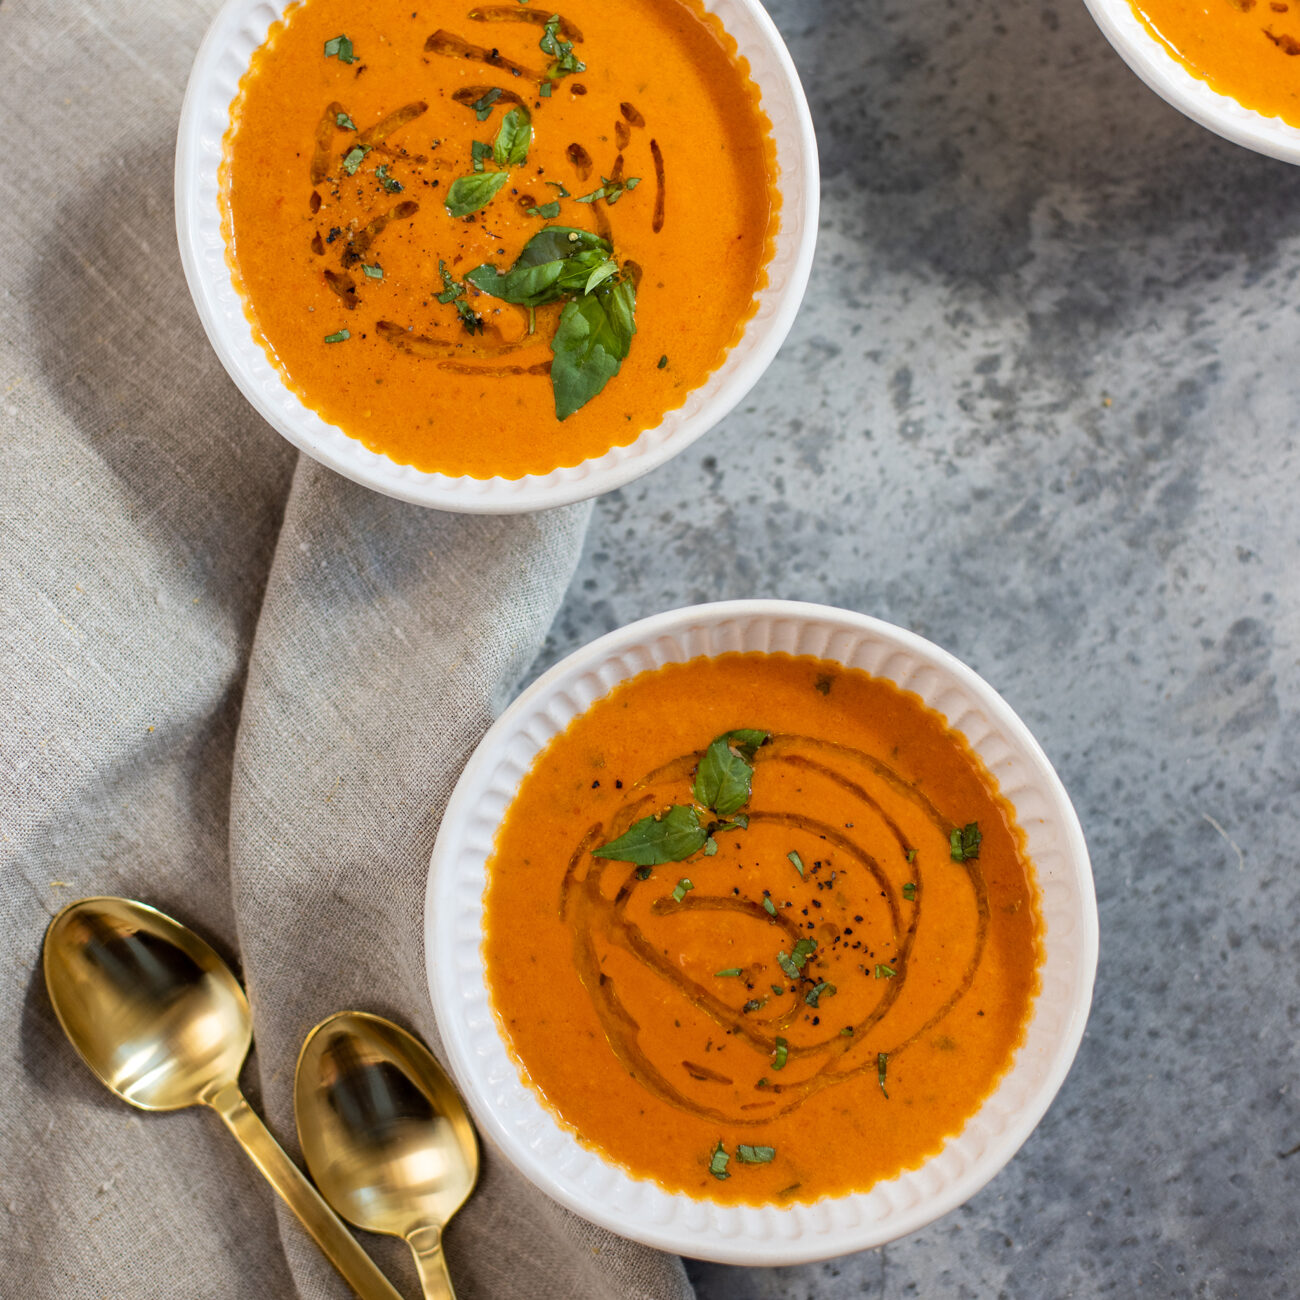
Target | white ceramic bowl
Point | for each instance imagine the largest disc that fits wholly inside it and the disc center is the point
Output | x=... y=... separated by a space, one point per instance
x=1190 y=95
x=239 y=28
x=510 y=1113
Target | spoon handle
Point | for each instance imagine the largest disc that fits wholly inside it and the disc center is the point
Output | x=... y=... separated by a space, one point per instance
x=340 y=1247
x=431 y=1263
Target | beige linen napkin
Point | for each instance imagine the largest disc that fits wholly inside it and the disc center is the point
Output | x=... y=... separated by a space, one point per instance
x=231 y=684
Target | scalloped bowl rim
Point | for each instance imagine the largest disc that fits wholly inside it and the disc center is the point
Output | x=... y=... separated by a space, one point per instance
x=1191 y=96
x=546 y=1152
x=238 y=28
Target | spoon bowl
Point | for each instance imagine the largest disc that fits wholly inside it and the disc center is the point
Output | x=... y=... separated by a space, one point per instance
x=153 y=1011
x=162 y=1022
x=385 y=1134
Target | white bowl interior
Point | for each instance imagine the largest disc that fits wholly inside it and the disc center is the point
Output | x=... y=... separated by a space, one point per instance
x=1189 y=94
x=510 y=1113
x=236 y=32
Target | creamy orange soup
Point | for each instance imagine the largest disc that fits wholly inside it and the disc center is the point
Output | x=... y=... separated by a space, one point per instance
x=761 y=929
x=1243 y=48
x=387 y=162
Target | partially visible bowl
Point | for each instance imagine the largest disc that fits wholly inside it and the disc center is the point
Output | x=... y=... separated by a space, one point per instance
x=239 y=28
x=1172 y=81
x=511 y=1114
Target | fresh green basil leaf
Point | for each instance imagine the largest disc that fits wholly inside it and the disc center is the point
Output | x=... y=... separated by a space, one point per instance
x=724 y=777
x=471 y=193
x=353 y=158
x=392 y=185
x=549 y=211
x=483 y=107
x=479 y=151
x=602 y=273
x=718 y=1162
x=756 y=1155
x=782 y=1051
x=670 y=837
x=964 y=842
x=510 y=148
x=344 y=122
x=555 y=263
x=339 y=47
x=594 y=336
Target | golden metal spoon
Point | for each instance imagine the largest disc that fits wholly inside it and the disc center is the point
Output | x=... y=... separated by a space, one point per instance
x=162 y=1021
x=385 y=1135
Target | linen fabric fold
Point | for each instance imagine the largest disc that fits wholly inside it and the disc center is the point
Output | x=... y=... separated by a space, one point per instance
x=233 y=685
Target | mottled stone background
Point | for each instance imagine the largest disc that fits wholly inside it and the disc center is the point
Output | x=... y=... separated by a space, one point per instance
x=1039 y=407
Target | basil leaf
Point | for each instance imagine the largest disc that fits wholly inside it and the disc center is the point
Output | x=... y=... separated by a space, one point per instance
x=722 y=781
x=510 y=148
x=819 y=991
x=341 y=337
x=339 y=47
x=344 y=122
x=909 y=892
x=555 y=263
x=882 y=1064
x=548 y=210
x=964 y=842
x=782 y=1051
x=756 y=1155
x=483 y=107
x=353 y=158
x=479 y=151
x=768 y=906
x=797 y=861
x=682 y=886
x=392 y=185
x=594 y=336
x=670 y=837
x=471 y=193
x=600 y=275
x=719 y=1161
x=731 y=970
x=788 y=964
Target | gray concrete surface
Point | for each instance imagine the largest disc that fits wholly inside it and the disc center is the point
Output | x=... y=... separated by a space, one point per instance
x=1039 y=407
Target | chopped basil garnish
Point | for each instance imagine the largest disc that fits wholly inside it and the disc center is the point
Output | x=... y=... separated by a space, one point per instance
x=471 y=193
x=798 y=862
x=911 y=855
x=340 y=48
x=663 y=361
x=547 y=210
x=847 y=1031
x=909 y=891
x=884 y=972
x=389 y=183
x=479 y=151
x=819 y=991
x=372 y=272
x=754 y=1004
x=353 y=158
x=483 y=107
x=561 y=51
x=768 y=906
x=510 y=148
x=669 y=837
x=682 y=886
x=341 y=337
x=731 y=970
x=964 y=844
x=454 y=292
x=756 y=1155
x=719 y=1161
x=782 y=1051
x=882 y=1064
x=345 y=122
x=611 y=191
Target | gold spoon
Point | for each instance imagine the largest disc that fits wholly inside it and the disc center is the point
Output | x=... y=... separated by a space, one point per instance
x=162 y=1021
x=385 y=1135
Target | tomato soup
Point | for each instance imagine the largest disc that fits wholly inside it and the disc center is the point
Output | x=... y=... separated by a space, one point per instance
x=761 y=928
x=1246 y=49
x=497 y=239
